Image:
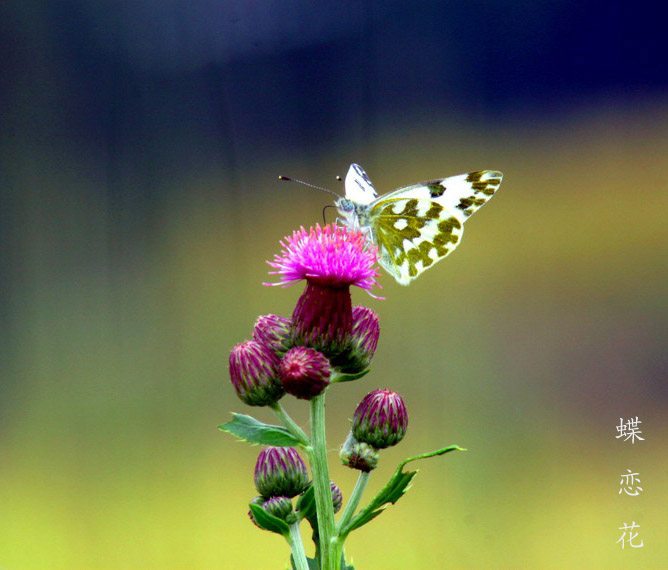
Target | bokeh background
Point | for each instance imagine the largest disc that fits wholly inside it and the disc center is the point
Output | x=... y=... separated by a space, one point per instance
x=140 y=147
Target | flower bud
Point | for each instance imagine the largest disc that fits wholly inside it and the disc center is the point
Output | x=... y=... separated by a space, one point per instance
x=273 y=331
x=304 y=372
x=358 y=455
x=279 y=471
x=363 y=342
x=337 y=496
x=254 y=374
x=280 y=507
x=380 y=419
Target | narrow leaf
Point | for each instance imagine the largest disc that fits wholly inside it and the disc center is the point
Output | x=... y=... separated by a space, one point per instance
x=269 y=522
x=394 y=489
x=254 y=431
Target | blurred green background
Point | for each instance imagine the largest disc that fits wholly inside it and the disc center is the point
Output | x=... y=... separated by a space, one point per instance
x=140 y=145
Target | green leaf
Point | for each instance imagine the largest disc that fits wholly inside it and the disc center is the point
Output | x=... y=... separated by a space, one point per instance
x=343 y=377
x=306 y=504
x=312 y=563
x=254 y=431
x=392 y=491
x=269 y=522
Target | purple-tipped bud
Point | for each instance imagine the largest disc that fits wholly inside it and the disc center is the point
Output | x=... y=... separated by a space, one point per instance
x=358 y=455
x=279 y=471
x=254 y=374
x=337 y=496
x=363 y=342
x=280 y=507
x=380 y=419
x=273 y=331
x=304 y=372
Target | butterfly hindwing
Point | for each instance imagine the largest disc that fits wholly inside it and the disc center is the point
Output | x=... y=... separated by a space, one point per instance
x=412 y=234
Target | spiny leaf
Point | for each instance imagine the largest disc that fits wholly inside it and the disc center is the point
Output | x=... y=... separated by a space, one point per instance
x=392 y=491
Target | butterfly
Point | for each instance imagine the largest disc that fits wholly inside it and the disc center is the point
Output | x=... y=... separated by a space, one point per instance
x=416 y=226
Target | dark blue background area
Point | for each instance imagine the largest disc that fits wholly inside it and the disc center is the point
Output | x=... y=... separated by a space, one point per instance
x=500 y=59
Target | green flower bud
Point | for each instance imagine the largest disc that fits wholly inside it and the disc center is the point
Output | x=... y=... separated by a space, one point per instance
x=279 y=471
x=358 y=455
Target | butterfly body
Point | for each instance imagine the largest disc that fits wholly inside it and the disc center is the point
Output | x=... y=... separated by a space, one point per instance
x=416 y=226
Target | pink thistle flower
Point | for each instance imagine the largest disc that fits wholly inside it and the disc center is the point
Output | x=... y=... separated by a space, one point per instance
x=330 y=259
x=328 y=256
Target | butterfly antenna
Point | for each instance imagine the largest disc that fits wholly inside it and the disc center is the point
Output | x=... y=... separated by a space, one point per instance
x=308 y=184
x=324 y=220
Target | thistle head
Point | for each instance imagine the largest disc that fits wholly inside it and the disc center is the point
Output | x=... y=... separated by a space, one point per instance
x=254 y=374
x=280 y=471
x=380 y=419
x=304 y=372
x=274 y=332
x=330 y=259
x=363 y=342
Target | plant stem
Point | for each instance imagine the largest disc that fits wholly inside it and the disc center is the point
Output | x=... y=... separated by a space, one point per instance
x=297 y=547
x=323 y=492
x=289 y=423
x=354 y=500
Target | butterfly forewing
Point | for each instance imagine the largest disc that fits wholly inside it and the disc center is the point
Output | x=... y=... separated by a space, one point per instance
x=359 y=188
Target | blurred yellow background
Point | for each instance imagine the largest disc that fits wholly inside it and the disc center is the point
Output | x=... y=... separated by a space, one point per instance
x=135 y=252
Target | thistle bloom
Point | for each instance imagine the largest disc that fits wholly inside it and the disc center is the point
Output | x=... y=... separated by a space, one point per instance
x=274 y=332
x=330 y=259
x=254 y=374
x=304 y=372
x=380 y=419
x=279 y=471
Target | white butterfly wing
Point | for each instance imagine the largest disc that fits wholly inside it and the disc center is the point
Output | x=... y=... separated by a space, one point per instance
x=463 y=194
x=412 y=234
x=416 y=226
x=359 y=188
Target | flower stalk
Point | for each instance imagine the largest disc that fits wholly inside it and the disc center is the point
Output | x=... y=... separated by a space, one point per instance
x=321 y=485
x=297 y=547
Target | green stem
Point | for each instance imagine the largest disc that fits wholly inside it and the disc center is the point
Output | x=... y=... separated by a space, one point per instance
x=323 y=492
x=354 y=500
x=289 y=423
x=297 y=547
